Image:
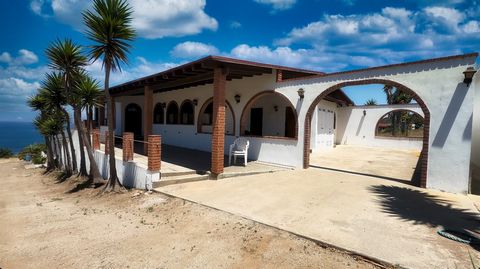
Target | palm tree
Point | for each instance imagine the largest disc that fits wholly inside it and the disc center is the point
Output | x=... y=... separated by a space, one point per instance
x=86 y=89
x=52 y=91
x=50 y=125
x=66 y=57
x=371 y=102
x=396 y=96
x=109 y=27
x=90 y=95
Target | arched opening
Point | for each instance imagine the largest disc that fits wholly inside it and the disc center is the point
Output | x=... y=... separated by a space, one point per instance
x=158 y=114
x=186 y=113
x=361 y=116
x=172 y=113
x=269 y=114
x=205 y=118
x=401 y=123
x=133 y=119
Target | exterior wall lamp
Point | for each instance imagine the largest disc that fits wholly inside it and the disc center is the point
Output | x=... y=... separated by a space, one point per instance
x=469 y=75
x=301 y=93
x=275 y=108
x=237 y=98
x=195 y=102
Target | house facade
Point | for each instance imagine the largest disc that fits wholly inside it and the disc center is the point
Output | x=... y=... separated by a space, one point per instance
x=287 y=114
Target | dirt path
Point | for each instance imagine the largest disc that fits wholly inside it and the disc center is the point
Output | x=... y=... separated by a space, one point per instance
x=43 y=225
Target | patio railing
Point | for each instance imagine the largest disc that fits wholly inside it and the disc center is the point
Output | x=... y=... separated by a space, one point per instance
x=153 y=147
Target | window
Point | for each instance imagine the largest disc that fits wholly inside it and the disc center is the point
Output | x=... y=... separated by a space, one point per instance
x=158 y=114
x=400 y=123
x=172 y=113
x=186 y=113
x=205 y=118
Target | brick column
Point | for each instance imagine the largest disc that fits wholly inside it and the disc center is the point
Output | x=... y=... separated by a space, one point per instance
x=218 y=128
x=279 y=75
x=147 y=114
x=127 y=147
x=107 y=147
x=96 y=139
x=154 y=152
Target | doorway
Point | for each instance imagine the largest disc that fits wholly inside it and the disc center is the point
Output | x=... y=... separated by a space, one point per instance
x=256 y=121
x=133 y=119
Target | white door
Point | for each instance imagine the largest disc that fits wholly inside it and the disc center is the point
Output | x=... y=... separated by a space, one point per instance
x=325 y=128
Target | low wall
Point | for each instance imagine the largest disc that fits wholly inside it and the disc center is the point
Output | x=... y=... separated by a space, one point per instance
x=355 y=128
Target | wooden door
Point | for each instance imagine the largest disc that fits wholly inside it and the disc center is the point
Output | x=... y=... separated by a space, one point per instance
x=289 y=122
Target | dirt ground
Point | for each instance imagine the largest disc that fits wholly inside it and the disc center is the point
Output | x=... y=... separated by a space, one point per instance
x=45 y=223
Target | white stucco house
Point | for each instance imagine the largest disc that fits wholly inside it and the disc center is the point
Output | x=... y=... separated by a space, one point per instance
x=288 y=114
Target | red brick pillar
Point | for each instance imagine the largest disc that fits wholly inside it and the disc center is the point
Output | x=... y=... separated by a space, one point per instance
x=107 y=147
x=154 y=153
x=127 y=147
x=147 y=114
x=218 y=128
x=279 y=75
x=96 y=139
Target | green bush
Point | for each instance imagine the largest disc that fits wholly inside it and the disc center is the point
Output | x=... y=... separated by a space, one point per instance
x=34 y=151
x=5 y=153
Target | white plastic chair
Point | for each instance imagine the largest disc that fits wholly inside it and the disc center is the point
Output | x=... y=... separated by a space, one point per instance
x=238 y=148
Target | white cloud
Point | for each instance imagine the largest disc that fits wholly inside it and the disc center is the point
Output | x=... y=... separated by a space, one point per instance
x=278 y=4
x=25 y=57
x=17 y=90
x=152 y=19
x=191 y=49
x=235 y=25
x=140 y=68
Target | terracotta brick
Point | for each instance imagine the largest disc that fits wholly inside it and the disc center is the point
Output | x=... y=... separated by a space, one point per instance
x=96 y=139
x=154 y=152
x=218 y=128
x=127 y=147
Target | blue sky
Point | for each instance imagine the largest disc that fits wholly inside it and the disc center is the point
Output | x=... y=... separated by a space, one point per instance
x=313 y=34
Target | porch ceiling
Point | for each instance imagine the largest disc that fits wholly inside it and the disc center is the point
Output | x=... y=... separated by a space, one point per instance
x=200 y=72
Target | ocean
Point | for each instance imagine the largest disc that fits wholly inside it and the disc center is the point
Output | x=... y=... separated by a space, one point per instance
x=16 y=135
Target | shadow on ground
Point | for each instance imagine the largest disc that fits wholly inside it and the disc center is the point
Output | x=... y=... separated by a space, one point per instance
x=425 y=209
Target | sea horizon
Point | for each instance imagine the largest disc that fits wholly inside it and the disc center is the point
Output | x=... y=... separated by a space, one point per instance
x=16 y=135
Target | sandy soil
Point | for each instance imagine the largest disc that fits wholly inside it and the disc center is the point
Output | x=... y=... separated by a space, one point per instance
x=49 y=224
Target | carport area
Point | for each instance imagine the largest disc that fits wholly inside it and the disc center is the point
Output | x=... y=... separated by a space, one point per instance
x=388 y=220
x=381 y=162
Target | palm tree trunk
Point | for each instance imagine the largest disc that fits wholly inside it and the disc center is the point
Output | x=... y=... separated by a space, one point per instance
x=89 y=125
x=69 y=132
x=50 y=161
x=68 y=168
x=78 y=123
x=113 y=181
x=94 y=175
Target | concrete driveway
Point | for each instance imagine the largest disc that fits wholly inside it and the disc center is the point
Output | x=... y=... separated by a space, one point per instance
x=384 y=219
x=395 y=164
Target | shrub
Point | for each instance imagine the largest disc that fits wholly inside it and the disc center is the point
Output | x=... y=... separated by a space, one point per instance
x=5 y=153
x=34 y=152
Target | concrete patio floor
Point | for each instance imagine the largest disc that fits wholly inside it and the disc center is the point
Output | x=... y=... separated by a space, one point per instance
x=375 y=161
x=177 y=160
x=380 y=218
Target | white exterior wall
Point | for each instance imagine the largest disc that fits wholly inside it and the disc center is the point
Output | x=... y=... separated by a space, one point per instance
x=353 y=128
x=475 y=169
x=450 y=102
x=271 y=150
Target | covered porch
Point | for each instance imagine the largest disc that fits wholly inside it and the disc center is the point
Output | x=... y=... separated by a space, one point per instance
x=200 y=109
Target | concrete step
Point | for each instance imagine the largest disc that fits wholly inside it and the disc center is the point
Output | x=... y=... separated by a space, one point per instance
x=177 y=179
x=182 y=173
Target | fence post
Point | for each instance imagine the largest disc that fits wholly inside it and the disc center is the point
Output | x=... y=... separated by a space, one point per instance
x=154 y=153
x=127 y=146
x=96 y=139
